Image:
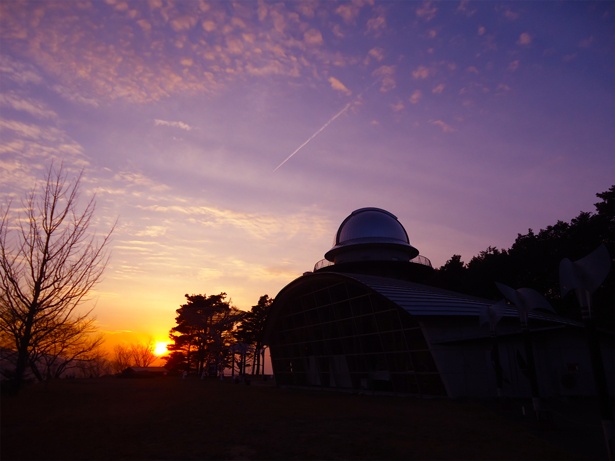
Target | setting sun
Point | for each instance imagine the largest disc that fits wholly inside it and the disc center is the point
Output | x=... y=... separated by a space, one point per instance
x=160 y=348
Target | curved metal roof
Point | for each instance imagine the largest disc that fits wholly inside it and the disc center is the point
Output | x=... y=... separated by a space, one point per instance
x=415 y=298
x=424 y=300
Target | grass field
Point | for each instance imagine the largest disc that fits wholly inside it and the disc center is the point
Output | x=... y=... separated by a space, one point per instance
x=175 y=419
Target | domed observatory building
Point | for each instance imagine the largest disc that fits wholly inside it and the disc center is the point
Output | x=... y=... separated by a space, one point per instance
x=363 y=320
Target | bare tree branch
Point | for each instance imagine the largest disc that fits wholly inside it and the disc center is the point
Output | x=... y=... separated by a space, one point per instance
x=49 y=261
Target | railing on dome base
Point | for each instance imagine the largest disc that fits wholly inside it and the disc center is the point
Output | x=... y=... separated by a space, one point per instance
x=422 y=260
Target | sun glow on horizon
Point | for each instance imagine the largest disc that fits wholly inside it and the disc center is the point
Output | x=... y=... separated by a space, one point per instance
x=161 y=348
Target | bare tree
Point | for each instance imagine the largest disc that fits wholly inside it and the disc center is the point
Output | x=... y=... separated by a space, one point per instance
x=49 y=260
x=71 y=346
x=143 y=353
x=133 y=355
x=121 y=358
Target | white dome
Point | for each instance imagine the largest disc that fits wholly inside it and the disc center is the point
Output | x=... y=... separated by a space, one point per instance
x=371 y=233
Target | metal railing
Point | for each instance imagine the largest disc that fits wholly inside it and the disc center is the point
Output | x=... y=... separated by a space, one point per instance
x=422 y=260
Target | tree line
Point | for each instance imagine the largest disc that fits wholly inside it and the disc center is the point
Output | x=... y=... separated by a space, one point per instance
x=211 y=336
x=533 y=261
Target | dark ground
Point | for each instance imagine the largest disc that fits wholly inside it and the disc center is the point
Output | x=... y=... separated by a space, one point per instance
x=175 y=419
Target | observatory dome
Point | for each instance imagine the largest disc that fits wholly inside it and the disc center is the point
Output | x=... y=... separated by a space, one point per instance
x=371 y=234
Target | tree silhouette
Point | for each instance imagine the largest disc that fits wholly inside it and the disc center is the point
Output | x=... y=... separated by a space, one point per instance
x=251 y=329
x=533 y=261
x=133 y=355
x=49 y=261
x=203 y=333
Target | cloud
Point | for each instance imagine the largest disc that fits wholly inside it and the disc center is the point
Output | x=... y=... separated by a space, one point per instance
x=438 y=89
x=18 y=72
x=427 y=11
x=416 y=96
x=183 y=23
x=376 y=54
x=398 y=106
x=514 y=65
x=339 y=86
x=134 y=55
x=525 y=39
x=376 y=25
x=27 y=105
x=386 y=74
x=510 y=14
x=349 y=11
x=313 y=37
x=208 y=25
x=180 y=125
x=445 y=127
x=503 y=88
x=464 y=8
x=587 y=42
x=152 y=231
x=421 y=72
x=136 y=179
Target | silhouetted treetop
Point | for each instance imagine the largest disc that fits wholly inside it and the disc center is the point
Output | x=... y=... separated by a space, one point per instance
x=533 y=261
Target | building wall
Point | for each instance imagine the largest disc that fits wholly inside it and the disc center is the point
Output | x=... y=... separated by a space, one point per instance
x=334 y=332
x=342 y=335
x=561 y=356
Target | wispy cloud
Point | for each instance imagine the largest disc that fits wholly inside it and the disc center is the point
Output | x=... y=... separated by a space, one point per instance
x=422 y=72
x=386 y=75
x=415 y=97
x=24 y=104
x=445 y=127
x=426 y=11
x=174 y=124
x=339 y=86
x=438 y=89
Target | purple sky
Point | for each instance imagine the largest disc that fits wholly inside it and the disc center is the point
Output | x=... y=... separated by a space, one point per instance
x=470 y=121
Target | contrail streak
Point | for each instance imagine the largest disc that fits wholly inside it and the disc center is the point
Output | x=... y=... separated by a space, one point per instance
x=344 y=109
x=314 y=135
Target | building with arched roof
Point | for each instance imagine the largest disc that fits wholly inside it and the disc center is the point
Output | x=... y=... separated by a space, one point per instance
x=364 y=319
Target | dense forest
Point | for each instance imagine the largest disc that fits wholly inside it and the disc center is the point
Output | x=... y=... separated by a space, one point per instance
x=533 y=262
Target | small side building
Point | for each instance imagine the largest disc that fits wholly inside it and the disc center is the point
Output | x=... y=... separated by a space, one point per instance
x=364 y=320
x=144 y=372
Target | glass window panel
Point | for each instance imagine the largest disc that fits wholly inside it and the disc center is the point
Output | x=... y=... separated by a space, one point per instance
x=387 y=321
x=362 y=306
x=338 y=292
x=327 y=313
x=415 y=339
x=400 y=341
x=423 y=361
x=354 y=290
x=388 y=341
x=366 y=324
x=348 y=345
x=371 y=343
x=345 y=310
x=307 y=302
x=322 y=297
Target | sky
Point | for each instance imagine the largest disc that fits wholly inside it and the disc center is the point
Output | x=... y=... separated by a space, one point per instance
x=230 y=139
